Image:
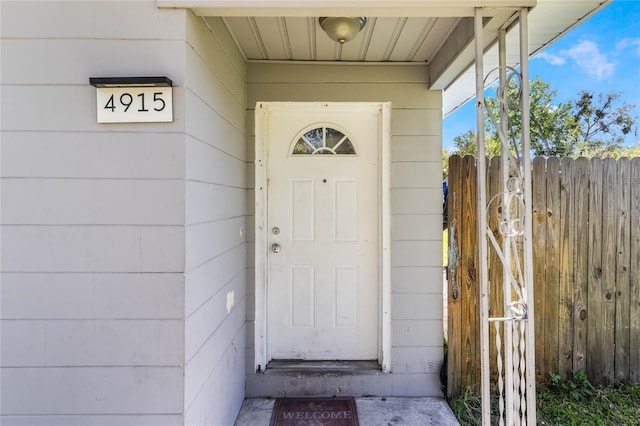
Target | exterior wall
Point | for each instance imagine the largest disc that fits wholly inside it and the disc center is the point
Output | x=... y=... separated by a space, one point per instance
x=416 y=197
x=122 y=293
x=92 y=215
x=215 y=274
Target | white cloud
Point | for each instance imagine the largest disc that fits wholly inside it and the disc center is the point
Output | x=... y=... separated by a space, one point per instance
x=588 y=57
x=551 y=58
x=629 y=42
x=590 y=60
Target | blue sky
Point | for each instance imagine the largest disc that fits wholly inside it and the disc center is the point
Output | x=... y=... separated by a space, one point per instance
x=601 y=55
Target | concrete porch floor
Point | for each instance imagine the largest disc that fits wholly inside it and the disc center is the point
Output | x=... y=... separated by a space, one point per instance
x=372 y=411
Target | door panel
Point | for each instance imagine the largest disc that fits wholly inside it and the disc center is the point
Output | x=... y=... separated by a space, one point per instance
x=323 y=282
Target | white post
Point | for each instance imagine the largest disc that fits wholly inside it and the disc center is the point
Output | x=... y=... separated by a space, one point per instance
x=482 y=221
x=528 y=219
x=507 y=326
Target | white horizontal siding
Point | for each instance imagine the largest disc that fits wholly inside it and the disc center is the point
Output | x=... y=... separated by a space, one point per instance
x=416 y=306
x=94 y=296
x=416 y=227
x=228 y=376
x=417 y=200
x=84 y=343
x=405 y=174
x=208 y=279
x=21 y=19
x=213 y=311
x=417 y=333
x=93 y=219
x=71 y=108
x=417 y=279
x=215 y=161
x=218 y=51
x=40 y=248
x=92 y=202
x=201 y=158
x=206 y=361
x=415 y=148
x=223 y=97
x=203 y=121
x=99 y=19
x=91 y=390
x=417 y=122
x=95 y=420
x=207 y=241
x=417 y=253
x=128 y=155
x=73 y=61
x=205 y=205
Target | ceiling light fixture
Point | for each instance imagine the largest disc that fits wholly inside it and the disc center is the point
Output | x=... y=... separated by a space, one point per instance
x=342 y=29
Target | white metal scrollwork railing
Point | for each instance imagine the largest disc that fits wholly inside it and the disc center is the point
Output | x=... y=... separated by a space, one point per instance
x=510 y=241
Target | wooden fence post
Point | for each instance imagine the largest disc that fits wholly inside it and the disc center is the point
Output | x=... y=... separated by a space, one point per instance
x=454 y=310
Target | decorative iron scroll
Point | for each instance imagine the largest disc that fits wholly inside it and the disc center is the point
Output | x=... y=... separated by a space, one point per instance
x=510 y=324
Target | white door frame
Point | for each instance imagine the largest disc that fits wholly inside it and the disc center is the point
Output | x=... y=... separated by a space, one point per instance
x=261 y=250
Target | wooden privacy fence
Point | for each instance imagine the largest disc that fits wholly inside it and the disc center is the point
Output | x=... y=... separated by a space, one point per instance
x=586 y=260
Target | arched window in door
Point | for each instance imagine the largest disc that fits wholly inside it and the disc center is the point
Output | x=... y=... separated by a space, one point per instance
x=323 y=140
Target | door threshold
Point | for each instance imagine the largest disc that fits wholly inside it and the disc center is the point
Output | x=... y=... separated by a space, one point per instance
x=297 y=366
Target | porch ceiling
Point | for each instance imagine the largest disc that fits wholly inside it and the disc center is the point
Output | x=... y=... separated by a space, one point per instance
x=436 y=32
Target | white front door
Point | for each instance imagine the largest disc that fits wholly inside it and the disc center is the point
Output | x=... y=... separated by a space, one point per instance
x=323 y=231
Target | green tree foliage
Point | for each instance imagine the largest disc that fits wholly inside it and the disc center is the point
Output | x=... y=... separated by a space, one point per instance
x=554 y=131
x=603 y=123
x=589 y=125
x=467 y=144
x=445 y=163
x=630 y=151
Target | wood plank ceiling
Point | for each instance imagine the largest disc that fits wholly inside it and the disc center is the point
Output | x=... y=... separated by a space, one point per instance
x=442 y=38
x=395 y=39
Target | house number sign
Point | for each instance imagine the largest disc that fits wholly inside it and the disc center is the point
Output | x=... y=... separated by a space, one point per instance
x=133 y=100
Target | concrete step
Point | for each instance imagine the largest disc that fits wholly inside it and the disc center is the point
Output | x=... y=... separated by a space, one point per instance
x=289 y=378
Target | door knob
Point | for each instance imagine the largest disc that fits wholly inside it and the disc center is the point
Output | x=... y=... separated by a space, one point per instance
x=275 y=247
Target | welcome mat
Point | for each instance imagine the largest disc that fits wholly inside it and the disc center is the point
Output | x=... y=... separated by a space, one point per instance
x=339 y=411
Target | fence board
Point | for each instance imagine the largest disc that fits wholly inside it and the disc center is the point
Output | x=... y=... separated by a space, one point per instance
x=567 y=236
x=496 y=279
x=539 y=200
x=552 y=264
x=580 y=219
x=623 y=241
x=609 y=249
x=594 y=302
x=586 y=241
x=634 y=273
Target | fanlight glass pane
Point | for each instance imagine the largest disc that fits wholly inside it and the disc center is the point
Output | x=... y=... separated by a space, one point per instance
x=324 y=140
x=346 y=148
x=315 y=137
